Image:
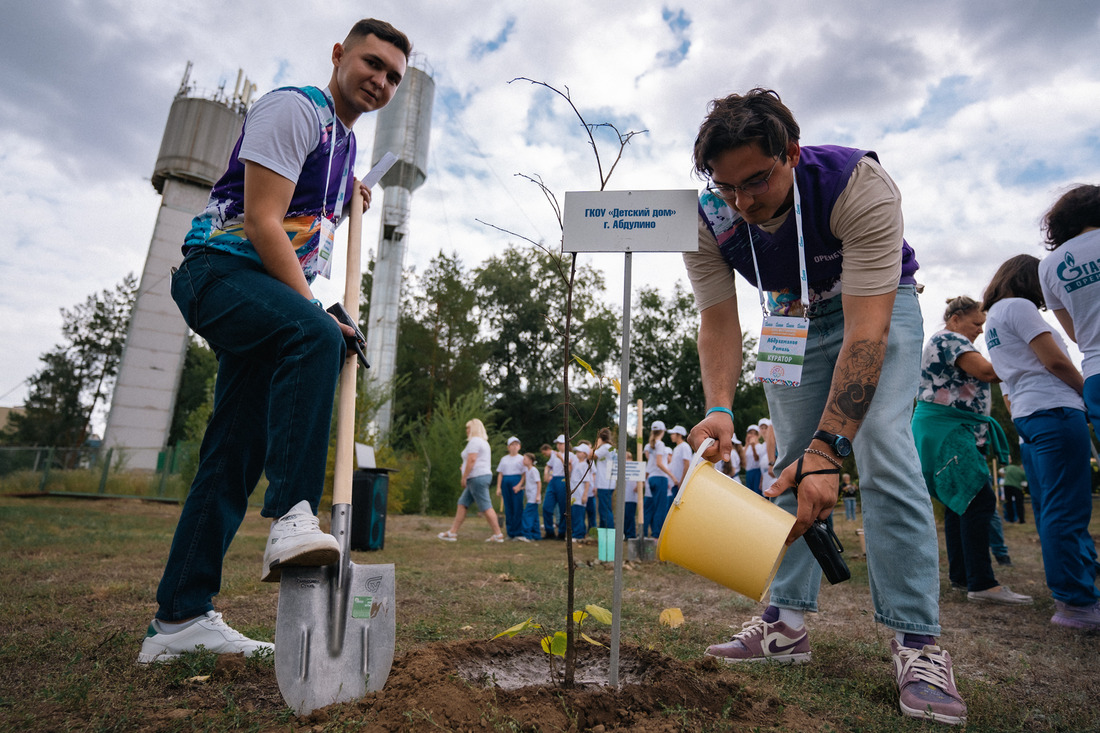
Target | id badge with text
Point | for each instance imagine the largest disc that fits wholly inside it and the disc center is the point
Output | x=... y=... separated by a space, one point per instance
x=782 y=350
x=326 y=233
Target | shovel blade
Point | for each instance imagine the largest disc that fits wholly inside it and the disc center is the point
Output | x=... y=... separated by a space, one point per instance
x=334 y=644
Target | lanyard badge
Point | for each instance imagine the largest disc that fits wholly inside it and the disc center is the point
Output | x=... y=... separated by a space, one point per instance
x=782 y=347
x=327 y=227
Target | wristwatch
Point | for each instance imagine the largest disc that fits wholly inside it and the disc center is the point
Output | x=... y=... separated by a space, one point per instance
x=840 y=445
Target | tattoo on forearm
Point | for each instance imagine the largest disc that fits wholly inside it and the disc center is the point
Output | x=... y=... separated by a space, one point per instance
x=857 y=378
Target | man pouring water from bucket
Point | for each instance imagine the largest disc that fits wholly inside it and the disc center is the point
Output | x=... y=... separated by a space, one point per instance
x=817 y=230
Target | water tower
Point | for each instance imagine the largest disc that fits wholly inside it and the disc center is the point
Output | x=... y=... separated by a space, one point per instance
x=403 y=128
x=194 y=152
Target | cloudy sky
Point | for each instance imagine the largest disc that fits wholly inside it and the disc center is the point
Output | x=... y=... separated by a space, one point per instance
x=982 y=112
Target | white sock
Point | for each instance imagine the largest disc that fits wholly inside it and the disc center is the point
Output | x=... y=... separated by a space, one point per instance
x=171 y=627
x=792 y=617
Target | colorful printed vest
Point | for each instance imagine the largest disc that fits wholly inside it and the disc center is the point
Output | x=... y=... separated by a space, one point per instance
x=221 y=225
x=822 y=172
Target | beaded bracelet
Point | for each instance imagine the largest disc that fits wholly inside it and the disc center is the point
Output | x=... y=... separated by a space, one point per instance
x=824 y=455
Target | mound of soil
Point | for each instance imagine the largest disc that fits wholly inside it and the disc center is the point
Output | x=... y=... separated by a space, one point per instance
x=506 y=683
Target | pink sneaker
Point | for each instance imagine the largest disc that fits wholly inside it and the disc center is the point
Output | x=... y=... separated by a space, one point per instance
x=763 y=641
x=926 y=684
x=1077 y=617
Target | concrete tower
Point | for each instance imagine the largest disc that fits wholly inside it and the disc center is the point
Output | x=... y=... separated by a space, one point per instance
x=402 y=128
x=194 y=152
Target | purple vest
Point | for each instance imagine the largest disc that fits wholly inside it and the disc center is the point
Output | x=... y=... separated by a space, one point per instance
x=822 y=172
x=219 y=225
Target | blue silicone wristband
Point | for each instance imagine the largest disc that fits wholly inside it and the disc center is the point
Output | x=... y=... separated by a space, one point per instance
x=317 y=303
x=726 y=410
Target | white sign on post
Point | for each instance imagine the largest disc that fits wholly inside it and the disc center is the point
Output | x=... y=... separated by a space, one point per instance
x=635 y=471
x=631 y=221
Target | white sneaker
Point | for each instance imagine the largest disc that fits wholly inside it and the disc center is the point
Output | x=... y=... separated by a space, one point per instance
x=209 y=632
x=296 y=540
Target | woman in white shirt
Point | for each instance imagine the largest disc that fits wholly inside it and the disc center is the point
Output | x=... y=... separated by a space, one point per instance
x=1049 y=414
x=657 y=481
x=477 y=474
x=1070 y=286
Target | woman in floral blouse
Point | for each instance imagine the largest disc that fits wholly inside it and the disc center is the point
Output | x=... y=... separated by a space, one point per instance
x=953 y=431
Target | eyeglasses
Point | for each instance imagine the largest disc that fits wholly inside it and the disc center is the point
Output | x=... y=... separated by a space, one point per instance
x=752 y=188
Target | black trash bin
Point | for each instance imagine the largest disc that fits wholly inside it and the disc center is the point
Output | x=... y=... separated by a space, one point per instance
x=370 y=489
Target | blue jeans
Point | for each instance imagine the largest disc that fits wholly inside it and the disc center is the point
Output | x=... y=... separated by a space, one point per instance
x=513 y=504
x=752 y=479
x=604 y=499
x=658 y=486
x=1061 y=494
x=997 y=536
x=849 y=507
x=556 y=499
x=966 y=536
x=579 y=529
x=1092 y=401
x=531 y=520
x=898 y=524
x=630 y=520
x=279 y=358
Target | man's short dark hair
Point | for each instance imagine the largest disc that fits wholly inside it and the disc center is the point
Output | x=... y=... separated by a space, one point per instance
x=756 y=117
x=383 y=30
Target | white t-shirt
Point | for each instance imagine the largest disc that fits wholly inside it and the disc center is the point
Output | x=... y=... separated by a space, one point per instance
x=758 y=461
x=483 y=465
x=1070 y=276
x=281 y=130
x=1010 y=327
x=510 y=465
x=734 y=463
x=682 y=452
x=531 y=485
x=580 y=475
x=557 y=468
x=604 y=456
x=659 y=449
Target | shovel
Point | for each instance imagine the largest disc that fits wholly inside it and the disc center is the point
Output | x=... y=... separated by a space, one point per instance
x=335 y=627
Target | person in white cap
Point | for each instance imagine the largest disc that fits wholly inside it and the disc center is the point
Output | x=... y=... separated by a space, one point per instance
x=604 y=457
x=680 y=458
x=556 y=496
x=657 y=481
x=510 y=489
x=580 y=476
x=755 y=456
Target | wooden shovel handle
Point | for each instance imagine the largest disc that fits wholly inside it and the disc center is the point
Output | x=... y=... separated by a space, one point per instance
x=345 y=407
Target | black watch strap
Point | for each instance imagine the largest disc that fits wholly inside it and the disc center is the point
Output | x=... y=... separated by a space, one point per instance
x=838 y=443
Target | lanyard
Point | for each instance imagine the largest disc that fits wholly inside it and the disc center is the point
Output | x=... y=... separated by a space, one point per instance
x=328 y=172
x=801 y=255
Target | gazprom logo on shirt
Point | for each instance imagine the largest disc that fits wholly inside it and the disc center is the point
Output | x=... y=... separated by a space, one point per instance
x=1078 y=276
x=991 y=339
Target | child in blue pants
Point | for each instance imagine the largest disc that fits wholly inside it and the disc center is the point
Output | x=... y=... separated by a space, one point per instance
x=532 y=485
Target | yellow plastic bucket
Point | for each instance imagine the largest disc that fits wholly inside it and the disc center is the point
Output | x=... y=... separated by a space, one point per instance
x=723 y=531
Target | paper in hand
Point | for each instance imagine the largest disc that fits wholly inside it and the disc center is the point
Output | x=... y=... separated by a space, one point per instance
x=380 y=169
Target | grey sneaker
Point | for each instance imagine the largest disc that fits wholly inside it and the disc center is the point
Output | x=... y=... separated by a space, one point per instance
x=926 y=684
x=762 y=641
x=296 y=540
x=1077 y=617
x=209 y=632
x=1000 y=594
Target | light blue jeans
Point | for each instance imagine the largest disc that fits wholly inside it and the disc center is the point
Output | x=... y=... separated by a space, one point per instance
x=898 y=524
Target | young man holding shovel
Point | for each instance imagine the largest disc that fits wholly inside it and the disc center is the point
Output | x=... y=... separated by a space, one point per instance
x=818 y=229
x=244 y=286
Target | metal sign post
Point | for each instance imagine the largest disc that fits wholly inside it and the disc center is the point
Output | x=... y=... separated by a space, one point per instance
x=627 y=222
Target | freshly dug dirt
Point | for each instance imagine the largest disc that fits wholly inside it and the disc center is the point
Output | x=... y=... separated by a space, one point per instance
x=490 y=685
